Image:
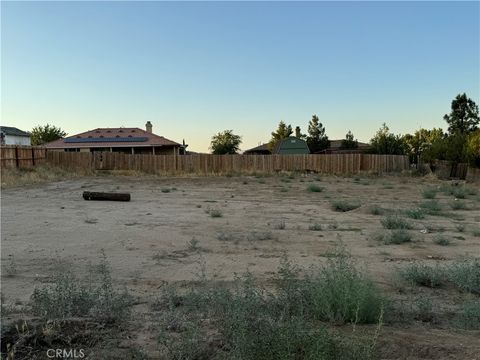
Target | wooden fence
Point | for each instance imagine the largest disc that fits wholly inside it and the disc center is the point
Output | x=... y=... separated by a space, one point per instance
x=218 y=164
x=12 y=156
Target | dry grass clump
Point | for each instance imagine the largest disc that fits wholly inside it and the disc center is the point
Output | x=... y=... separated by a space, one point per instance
x=39 y=174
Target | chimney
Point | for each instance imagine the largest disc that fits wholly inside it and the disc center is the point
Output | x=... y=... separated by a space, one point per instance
x=148 y=127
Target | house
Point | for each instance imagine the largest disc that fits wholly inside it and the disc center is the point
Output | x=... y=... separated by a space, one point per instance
x=258 y=150
x=124 y=140
x=289 y=145
x=335 y=148
x=13 y=136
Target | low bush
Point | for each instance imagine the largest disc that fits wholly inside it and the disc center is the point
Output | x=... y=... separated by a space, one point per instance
x=441 y=240
x=314 y=188
x=424 y=275
x=431 y=207
x=458 y=205
x=345 y=205
x=395 y=222
x=415 y=214
x=376 y=210
x=465 y=274
x=69 y=296
x=215 y=213
x=315 y=227
x=396 y=237
x=253 y=323
x=469 y=316
x=259 y=235
x=429 y=193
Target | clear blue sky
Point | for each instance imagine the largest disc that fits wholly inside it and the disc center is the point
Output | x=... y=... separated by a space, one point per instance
x=194 y=69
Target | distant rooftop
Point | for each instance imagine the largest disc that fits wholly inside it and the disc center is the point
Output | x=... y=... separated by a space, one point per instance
x=13 y=131
x=111 y=137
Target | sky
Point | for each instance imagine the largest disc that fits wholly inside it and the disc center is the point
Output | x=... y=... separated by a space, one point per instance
x=197 y=68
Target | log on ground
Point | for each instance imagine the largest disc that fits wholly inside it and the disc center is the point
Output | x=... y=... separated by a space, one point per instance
x=103 y=196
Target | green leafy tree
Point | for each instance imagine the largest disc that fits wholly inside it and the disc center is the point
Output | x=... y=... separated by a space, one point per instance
x=44 y=134
x=225 y=142
x=464 y=115
x=384 y=142
x=421 y=141
x=283 y=131
x=349 y=142
x=456 y=148
x=473 y=148
x=317 y=140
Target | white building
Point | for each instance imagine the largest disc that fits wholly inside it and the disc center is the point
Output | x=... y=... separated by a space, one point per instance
x=13 y=136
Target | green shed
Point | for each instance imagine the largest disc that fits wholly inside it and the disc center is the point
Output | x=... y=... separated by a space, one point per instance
x=291 y=145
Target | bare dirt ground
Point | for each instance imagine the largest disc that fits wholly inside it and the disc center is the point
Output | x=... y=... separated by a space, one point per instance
x=166 y=234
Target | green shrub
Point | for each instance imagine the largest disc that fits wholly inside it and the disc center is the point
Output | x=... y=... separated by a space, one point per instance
x=253 y=323
x=469 y=316
x=458 y=205
x=465 y=274
x=259 y=235
x=345 y=205
x=395 y=222
x=340 y=293
x=459 y=192
x=68 y=296
x=431 y=207
x=396 y=237
x=165 y=190
x=429 y=193
x=215 y=213
x=415 y=214
x=315 y=227
x=441 y=240
x=314 y=188
x=424 y=275
x=376 y=210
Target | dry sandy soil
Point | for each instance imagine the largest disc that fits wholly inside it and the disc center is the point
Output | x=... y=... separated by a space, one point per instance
x=148 y=241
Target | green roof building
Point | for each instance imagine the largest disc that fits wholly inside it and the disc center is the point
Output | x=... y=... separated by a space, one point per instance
x=291 y=146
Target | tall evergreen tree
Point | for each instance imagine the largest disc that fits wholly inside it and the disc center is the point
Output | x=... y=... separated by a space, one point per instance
x=464 y=117
x=283 y=131
x=349 y=142
x=317 y=140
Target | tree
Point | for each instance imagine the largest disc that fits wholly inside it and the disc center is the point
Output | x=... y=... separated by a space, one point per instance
x=283 y=131
x=225 y=142
x=349 y=142
x=473 y=148
x=317 y=140
x=298 y=133
x=421 y=141
x=384 y=142
x=44 y=134
x=464 y=115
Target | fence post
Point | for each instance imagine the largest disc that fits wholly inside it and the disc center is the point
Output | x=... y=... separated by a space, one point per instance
x=33 y=157
x=16 y=156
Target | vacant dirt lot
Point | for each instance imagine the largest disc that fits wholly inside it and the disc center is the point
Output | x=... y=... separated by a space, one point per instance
x=175 y=229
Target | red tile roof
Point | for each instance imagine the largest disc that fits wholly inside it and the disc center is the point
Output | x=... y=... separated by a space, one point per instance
x=81 y=140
